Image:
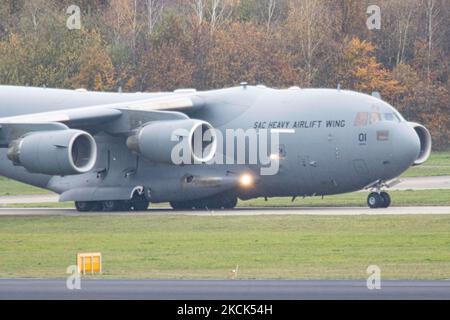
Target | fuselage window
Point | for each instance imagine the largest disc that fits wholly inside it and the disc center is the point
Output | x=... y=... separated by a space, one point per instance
x=361 y=120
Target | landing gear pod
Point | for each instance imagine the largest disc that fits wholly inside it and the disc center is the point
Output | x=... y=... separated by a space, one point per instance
x=65 y=152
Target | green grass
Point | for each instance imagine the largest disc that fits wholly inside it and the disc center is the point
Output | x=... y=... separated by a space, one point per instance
x=441 y=158
x=358 y=199
x=264 y=247
x=437 y=165
x=10 y=187
x=427 y=171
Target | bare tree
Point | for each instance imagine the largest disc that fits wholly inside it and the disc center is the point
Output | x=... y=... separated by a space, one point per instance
x=310 y=25
x=271 y=6
x=37 y=9
x=433 y=23
x=199 y=10
x=218 y=11
x=155 y=9
x=399 y=18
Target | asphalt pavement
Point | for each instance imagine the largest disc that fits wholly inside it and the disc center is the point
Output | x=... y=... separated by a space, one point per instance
x=31 y=289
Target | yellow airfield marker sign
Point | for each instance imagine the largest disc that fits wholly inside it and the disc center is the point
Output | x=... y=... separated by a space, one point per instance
x=89 y=263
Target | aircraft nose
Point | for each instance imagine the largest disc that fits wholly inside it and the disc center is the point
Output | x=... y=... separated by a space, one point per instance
x=408 y=145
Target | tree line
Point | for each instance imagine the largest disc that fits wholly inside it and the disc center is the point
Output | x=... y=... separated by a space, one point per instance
x=159 y=45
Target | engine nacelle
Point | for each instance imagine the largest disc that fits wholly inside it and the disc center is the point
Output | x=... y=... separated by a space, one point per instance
x=425 y=143
x=158 y=141
x=65 y=152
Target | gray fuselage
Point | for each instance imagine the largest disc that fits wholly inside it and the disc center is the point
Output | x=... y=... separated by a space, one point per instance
x=330 y=142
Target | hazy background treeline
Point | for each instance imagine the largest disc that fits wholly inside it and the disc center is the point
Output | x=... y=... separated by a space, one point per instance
x=148 y=45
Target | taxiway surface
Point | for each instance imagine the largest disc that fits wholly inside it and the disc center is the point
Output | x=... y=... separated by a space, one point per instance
x=222 y=290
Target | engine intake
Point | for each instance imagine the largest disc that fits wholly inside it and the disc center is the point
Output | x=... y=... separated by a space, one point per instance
x=175 y=142
x=425 y=143
x=65 y=152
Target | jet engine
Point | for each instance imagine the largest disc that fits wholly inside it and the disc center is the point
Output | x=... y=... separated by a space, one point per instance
x=65 y=152
x=176 y=142
x=425 y=143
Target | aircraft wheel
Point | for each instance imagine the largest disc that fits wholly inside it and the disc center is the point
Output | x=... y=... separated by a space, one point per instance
x=223 y=201
x=112 y=205
x=229 y=201
x=181 y=205
x=84 y=206
x=140 y=205
x=204 y=204
x=386 y=199
x=96 y=206
x=375 y=200
x=125 y=206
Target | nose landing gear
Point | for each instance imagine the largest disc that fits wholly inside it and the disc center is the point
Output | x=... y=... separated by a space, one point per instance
x=377 y=200
x=380 y=199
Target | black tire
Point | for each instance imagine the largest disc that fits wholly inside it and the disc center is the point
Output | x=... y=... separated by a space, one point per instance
x=84 y=206
x=375 y=201
x=126 y=206
x=181 y=205
x=217 y=202
x=386 y=199
x=230 y=202
x=139 y=205
x=112 y=205
x=96 y=206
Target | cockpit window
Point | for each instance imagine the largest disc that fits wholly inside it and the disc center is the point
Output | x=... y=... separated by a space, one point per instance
x=391 y=117
x=365 y=118
x=361 y=120
x=375 y=117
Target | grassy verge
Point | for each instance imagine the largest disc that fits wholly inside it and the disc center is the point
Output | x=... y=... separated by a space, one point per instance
x=427 y=171
x=287 y=247
x=437 y=165
x=407 y=198
x=10 y=187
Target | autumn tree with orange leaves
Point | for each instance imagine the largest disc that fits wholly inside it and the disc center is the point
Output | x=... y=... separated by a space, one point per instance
x=158 y=45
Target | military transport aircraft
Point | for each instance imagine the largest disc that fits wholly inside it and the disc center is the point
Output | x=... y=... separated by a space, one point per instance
x=123 y=151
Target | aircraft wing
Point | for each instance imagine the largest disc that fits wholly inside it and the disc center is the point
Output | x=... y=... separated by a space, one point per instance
x=116 y=118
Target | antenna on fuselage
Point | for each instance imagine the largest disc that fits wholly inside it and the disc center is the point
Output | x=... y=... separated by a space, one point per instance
x=339 y=87
x=377 y=95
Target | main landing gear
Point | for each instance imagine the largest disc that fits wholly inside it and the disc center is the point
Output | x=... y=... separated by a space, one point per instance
x=138 y=203
x=377 y=200
x=221 y=201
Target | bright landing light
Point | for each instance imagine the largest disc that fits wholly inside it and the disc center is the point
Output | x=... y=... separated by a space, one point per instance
x=275 y=157
x=246 y=180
